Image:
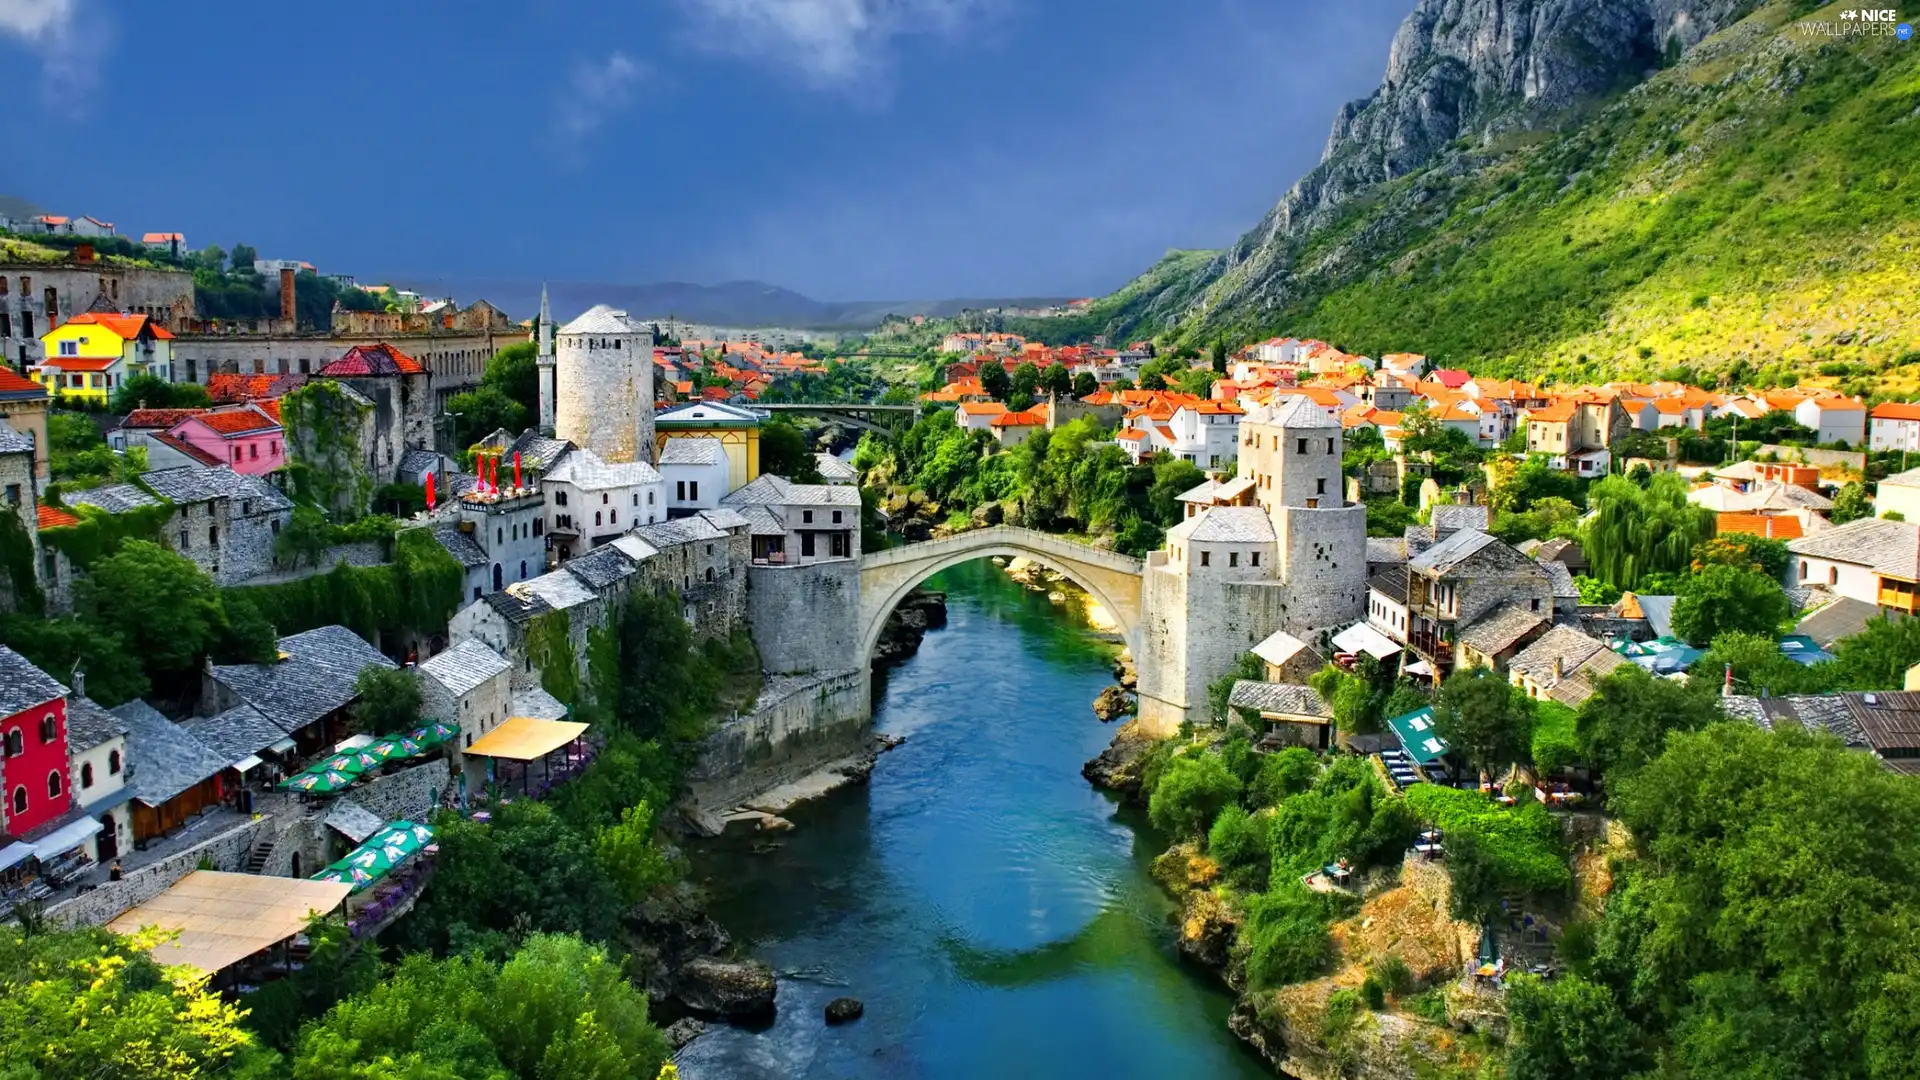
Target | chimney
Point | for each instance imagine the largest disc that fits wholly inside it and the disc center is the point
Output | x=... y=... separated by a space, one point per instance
x=79 y=683
x=83 y=253
x=1559 y=668
x=286 y=293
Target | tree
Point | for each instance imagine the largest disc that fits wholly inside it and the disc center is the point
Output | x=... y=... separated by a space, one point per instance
x=1084 y=384
x=1568 y=1027
x=632 y=859
x=168 y=609
x=146 y=391
x=92 y=1005
x=243 y=258
x=515 y=372
x=480 y=412
x=1191 y=793
x=1172 y=478
x=1289 y=772
x=1152 y=380
x=1217 y=355
x=994 y=379
x=1478 y=714
x=1721 y=598
x=386 y=700
x=305 y=539
x=1851 y=503
x=1622 y=726
x=1743 y=550
x=1634 y=531
x=1056 y=380
x=784 y=452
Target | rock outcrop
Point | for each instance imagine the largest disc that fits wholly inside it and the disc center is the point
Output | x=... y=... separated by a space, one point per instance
x=1113 y=703
x=907 y=626
x=738 y=989
x=676 y=953
x=844 y=1010
x=1117 y=768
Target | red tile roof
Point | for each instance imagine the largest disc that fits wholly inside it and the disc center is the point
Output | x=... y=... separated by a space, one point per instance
x=1886 y=410
x=375 y=360
x=1771 y=527
x=232 y=389
x=12 y=382
x=157 y=418
x=52 y=517
x=80 y=363
x=1018 y=419
x=231 y=422
x=126 y=327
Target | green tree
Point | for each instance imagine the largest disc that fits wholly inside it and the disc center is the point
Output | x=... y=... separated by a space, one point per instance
x=994 y=379
x=1057 y=381
x=1217 y=356
x=1745 y=551
x=92 y=1005
x=1721 y=598
x=1484 y=718
x=1569 y=1027
x=1851 y=503
x=1634 y=531
x=243 y=258
x=632 y=858
x=784 y=452
x=1622 y=726
x=515 y=372
x=145 y=391
x=386 y=700
x=1084 y=384
x=305 y=539
x=1191 y=793
x=480 y=412
x=1172 y=478
x=168 y=610
x=1152 y=380
x=1289 y=772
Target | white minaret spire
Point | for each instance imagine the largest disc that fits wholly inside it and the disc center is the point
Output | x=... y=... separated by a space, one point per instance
x=545 y=361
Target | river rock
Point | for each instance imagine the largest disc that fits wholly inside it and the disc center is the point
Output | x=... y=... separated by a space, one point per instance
x=664 y=932
x=1112 y=704
x=1118 y=766
x=908 y=624
x=844 y=1010
x=733 y=988
x=684 y=1030
x=1124 y=673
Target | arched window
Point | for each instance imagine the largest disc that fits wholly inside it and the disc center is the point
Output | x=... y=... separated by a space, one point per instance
x=596 y=517
x=86 y=775
x=709 y=573
x=49 y=728
x=523 y=569
x=113 y=762
x=1833 y=575
x=20 y=799
x=1803 y=569
x=16 y=743
x=613 y=517
x=499 y=581
x=53 y=784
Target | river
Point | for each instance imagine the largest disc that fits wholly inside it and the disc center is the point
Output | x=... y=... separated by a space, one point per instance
x=990 y=907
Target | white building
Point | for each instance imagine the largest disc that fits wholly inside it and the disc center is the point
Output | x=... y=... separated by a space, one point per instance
x=1387 y=602
x=1834 y=419
x=1207 y=434
x=97 y=754
x=693 y=471
x=1896 y=426
x=1898 y=494
x=590 y=501
x=1872 y=560
x=978 y=415
x=795 y=524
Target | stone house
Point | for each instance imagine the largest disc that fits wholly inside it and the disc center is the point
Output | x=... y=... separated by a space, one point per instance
x=1577 y=433
x=693 y=472
x=589 y=501
x=226 y=522
x=174 y=777
x=308 y=691
x=1873 y=560
x=469 y=685
x=19 y=494
x=1290 y=715
x=1563 y=665
x=496 y=539
x=796 y=524
x=97 y=753
x=1287 y=659
x=1473 y=600
x=400 y=391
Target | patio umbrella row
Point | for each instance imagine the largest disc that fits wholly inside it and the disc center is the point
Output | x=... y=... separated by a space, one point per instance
x=374 y=859
x=339 y=770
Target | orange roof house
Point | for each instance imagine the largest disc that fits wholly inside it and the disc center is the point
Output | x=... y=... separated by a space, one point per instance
x=52 y=517
x=1897 y=410
x=1769 y=526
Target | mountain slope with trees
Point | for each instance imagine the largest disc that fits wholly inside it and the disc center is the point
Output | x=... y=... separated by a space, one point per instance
x=1550 y=188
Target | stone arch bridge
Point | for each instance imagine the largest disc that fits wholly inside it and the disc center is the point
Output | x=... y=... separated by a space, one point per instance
x=887 y=576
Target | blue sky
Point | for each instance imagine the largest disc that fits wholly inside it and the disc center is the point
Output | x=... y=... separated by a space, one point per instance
x=848 y=149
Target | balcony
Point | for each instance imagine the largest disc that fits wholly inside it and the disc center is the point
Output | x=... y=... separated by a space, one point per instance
x=1436 y=646
x=1901 y=596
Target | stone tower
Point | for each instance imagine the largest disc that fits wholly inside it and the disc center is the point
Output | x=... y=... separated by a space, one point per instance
x=603 y=385
x=545 y=361
x=1232 y=574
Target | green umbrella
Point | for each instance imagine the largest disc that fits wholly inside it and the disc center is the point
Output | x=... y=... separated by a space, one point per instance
x=435 y=733
x=367 y=858
x=387 y=749
x=348 y=763
x=402 y=837
x=319 y=780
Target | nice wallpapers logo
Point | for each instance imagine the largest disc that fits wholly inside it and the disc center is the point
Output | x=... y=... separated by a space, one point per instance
x=1859 y=22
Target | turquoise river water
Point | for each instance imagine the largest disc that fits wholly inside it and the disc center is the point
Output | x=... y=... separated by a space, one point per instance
x=990 y=907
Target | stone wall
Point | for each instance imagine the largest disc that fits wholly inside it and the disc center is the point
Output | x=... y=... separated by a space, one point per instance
x=799 y=724
x=166 y=296
x=360 y=553
x=225 y=851
x=1324 y=558
x=709 y=577
x=408 y=794
x=806 y=618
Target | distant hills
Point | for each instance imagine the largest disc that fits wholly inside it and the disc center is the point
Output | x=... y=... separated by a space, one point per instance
x=1564 y=188
x=744 y=304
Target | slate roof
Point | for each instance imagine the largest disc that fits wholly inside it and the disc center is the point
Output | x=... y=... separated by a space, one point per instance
x=1563 y=550
x=1584 y=661
x=686 y=530
x=190 y=485
x=1500 y=629
x=770 y=490
x=1449 y=554
x=1843 y=618
x=517 y=607
x=462 y=546
x=536 y=703
x=691 y=450
x=560 y=589
x=1298 y=411
x=1200 y=493
x=602 y=568
x=463 y=668
x=163 y=758
x=833 y=469
x=602 y=319
x=1454 y=518
x=236 y=734
x=1226 y=524
x=1809 y=712
x=1890 y=719
x=537 y=452
x=1659 y=613
x=762 y=522
x=725 y=517
x=113 y=498
x=89 y=725
x=1386 y=549
x=636 y=549
x=1390 y=583
x=23 y=686
x=1889 y=547
x=14 y=442
x=584 y=468
x=414 y=462
x=315 y=678
x=1560 y=578
x=351 y=820
x=1266 y=697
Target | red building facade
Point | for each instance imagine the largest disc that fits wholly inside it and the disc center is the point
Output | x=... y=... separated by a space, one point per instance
x=33 y=745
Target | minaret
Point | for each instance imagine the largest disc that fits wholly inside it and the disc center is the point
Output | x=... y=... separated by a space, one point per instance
x=545 y=361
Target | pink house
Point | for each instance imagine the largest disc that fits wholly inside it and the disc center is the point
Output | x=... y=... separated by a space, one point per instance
x=248 y=438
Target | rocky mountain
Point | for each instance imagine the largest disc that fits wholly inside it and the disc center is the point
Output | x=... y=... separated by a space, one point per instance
x=1573 y=185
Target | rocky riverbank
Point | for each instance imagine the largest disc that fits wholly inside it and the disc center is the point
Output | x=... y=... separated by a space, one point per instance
x=921 y=611
x=684 y=960
x=1297 y=1028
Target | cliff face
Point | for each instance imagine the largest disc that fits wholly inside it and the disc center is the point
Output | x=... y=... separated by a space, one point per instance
x=1471 y=70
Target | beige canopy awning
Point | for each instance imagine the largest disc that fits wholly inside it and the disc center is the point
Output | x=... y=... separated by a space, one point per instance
x=224 y=918
x=523 y=738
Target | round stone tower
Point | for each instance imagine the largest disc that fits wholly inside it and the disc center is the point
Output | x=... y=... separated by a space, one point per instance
x=603 y=385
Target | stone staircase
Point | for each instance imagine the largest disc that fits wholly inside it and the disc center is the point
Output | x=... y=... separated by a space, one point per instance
x=261 y=854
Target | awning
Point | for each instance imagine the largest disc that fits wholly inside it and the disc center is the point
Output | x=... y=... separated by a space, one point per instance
x=284 y=746
x=1418 y=667
x=251 y=761
x=1361 y=638
x=65 y=838
x=352 y=742
x=522 y=738
x=14 y=854
x=224 y=918
x=1415 y=732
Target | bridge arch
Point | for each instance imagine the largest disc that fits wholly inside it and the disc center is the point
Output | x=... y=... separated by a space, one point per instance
x=886 y=577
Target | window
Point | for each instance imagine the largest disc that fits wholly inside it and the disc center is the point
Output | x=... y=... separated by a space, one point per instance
x=603 y=498
x=1803 y=569
x=560 y=498
x=613 y=517
x=1833 y=575
x=53 y=784
x=649 y=499
x=16 y=743
x=537 y=526
x=636 y=498
x=596 y=517
x=1206 y=558
x=113 y=763
x=1303 y=445
x=1256 y=558
x=69 y=348
x=680 y=490
x=1536 y=603
x=499 y=535
x=13 y=494
x=523 y=569
x=20 y=799
x=49 y=729
x=1320 y=486
x=6 y=322
x=86 y=775
x=213 y=536
x=1330 y=443
x=236 y=454
x=806 y=517
x=836 y=517
x=693 y=490
x=184 y=542
x=1313 y=504
x=26 y=324
x=806 y=544
x=1233 y=558
x=709 y=573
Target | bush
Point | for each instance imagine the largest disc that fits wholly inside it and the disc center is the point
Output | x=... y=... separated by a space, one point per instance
x=1238 y=843
x=1194 y=789
x=1287 y=934
x=1493 y=851
x=1289 y=772
x=1393 y=975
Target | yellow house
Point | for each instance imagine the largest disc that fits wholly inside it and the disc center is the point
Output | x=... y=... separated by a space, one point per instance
x=92 y=354
x=737 y=428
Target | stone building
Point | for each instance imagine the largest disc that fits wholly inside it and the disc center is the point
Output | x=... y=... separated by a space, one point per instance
x=36 y=297
x=404 y=400
x=497 y=539
x=226 y=523
x=603 y=385
x=469 y=685
x=1233 y=574
x=1473 y=601
x=694 y=472
x=590 y=501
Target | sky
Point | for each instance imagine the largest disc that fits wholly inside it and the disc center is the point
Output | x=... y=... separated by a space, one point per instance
x=846 y=149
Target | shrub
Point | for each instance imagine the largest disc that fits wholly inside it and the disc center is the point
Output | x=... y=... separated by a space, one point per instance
x=1190 y=794
x=1288 y=772
x=1393 y=975
x=1493 y=851
x=1238 y=842
x=1287 y=932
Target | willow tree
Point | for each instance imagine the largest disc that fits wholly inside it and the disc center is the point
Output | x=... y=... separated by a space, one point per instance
x=1634 y=531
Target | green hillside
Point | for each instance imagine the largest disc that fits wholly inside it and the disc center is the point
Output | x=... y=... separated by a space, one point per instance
x=1753 y=206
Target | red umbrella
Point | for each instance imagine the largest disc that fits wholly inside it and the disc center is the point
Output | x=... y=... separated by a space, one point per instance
x=429 y=491
x=516 y=468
